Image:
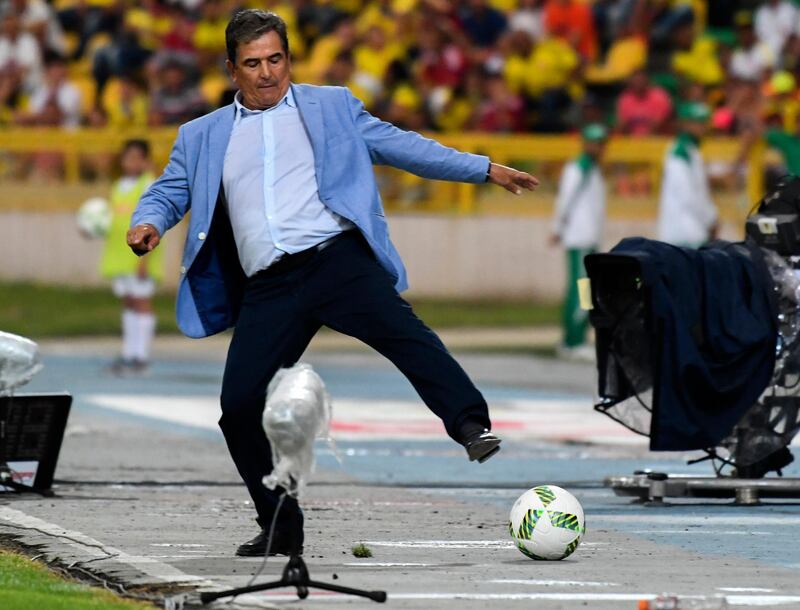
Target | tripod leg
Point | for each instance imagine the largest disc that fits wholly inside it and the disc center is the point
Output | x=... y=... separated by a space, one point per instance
x=376 y=596
x=210 y=596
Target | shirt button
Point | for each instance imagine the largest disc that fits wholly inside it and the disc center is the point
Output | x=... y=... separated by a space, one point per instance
x=201 y=236
x=183 y=269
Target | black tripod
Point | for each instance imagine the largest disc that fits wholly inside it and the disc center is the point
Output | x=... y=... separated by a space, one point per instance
x=295 y=574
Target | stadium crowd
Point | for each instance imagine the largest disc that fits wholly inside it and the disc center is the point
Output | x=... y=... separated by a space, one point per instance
x=489 y=65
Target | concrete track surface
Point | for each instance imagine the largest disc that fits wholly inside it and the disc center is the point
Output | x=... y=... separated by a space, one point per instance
x=147 y=495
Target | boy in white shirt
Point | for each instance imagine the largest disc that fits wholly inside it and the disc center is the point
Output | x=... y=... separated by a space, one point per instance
x=578 y=226
x=687 y=216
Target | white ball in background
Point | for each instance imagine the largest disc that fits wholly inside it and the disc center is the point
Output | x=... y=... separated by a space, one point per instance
x=94 y=217
x=547 y=523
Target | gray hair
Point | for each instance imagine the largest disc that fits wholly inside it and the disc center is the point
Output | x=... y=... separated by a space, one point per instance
x=249 y=24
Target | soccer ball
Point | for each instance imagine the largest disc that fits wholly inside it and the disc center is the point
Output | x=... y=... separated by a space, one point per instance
x=94 y=217
x=546 y=522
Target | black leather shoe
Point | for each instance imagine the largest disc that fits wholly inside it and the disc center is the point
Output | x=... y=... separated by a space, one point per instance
x=281 y=545
x=481 y=445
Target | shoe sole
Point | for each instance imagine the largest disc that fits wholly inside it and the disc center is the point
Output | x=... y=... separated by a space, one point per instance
x=482 y=451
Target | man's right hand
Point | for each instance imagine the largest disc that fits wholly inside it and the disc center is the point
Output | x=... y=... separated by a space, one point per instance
x=142 y=239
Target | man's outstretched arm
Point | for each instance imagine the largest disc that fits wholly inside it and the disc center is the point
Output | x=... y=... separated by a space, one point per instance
x=407 y=150
x=163 y=204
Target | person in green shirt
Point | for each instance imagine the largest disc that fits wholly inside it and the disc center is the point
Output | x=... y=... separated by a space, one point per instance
x=788 y=145
x=773 y=131
x=133 y=279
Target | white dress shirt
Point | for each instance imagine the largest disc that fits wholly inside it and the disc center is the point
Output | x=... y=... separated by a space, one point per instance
x=271 y=186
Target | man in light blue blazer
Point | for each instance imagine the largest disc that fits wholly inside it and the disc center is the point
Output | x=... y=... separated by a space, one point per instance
x=287 y=234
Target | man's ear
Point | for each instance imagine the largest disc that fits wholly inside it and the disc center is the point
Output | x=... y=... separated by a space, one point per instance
x=231 y=69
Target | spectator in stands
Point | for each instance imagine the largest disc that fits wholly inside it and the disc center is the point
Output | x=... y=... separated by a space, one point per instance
x=372 y=58
x=89 y=17
x=551 y=83
x=643 y=109
x=179 y=39
x=343 y=38
x=528 y=18
x=516 y=48
x=687 y=216
x=130 y=108
x=39 y=19
x=209 y=34
x=578 y=227
x=627 y=53
x=665 y=16
x=440 y=60
x=56 y=102
x=695 y=57
x=20 y=60
x=175 y=101
x=778 y=133
x=752 y=58
x=482 y=24
x=572 y=20
x=501 y=110
x=133 y=278
x=775 y=21
x=342 y=72
x=124 y=55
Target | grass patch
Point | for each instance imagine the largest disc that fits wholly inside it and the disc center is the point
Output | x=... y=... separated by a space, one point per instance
x=467 y=313
x=361 y=551
x=40 y=311
x=25 y=585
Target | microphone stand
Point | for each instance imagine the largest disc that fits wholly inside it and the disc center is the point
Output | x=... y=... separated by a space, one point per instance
x=295 y=574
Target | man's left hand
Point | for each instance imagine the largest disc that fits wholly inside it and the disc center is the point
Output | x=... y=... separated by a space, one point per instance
x=511 y=179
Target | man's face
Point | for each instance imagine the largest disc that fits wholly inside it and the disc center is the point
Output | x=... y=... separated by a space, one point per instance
x=261 y=71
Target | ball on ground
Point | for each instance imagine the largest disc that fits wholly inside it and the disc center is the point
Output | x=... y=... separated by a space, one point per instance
x=547 y=523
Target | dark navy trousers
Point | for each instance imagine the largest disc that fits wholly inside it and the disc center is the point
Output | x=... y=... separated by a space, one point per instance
x=344 y=288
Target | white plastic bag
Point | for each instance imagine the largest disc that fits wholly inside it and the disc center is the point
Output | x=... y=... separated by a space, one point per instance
x=298 y=411
x=19 y=362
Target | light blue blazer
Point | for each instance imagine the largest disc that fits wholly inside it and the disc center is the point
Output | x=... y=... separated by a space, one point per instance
x=346 y=140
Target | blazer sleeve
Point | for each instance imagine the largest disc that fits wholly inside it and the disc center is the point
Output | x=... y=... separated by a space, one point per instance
x=168 y=199
x=409 y=151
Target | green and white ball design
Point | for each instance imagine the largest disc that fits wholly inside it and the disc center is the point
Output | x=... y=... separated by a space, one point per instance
x=547 y=523
x=94 y=217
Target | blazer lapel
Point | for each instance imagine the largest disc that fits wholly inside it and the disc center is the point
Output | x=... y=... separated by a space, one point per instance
x=218 y=136
x=311 y=115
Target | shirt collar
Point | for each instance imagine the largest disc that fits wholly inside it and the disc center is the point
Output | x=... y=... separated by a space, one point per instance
x=242 y=111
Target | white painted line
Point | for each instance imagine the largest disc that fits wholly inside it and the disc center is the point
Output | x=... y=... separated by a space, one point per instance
x=695 y=532
x=443 y=544
x=745 y=590
x=733 y=600
x=382 y=564
x=177 y=544
x=695 y=522
x=554 y=583
x=87 y=545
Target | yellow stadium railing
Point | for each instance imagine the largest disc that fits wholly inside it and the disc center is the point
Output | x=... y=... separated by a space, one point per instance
x=536 y=153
